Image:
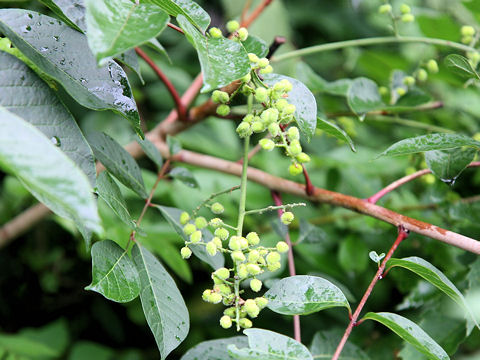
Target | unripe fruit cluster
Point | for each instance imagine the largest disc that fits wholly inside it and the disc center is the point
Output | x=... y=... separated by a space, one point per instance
x=468 y=32
x=405 y=12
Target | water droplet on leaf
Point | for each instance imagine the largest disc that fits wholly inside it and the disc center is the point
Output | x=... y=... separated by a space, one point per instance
x=55 y=140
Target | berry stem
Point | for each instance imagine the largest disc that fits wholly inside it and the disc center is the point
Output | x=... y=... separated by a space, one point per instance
x=211 y=197
x=271 y=208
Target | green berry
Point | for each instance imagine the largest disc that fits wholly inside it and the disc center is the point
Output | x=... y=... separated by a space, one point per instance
x=274 y=266
x=211 y=248
x=281 y=104
x=422 y=75
x=261 y=302
x=237 y=255
x=467 y=30
x=206 y=295
x=251 y=308
x=385 y=8
x=255 y=285
x=253 y=58
x=228 y=300
x=261 y=94
x=295 y=169
x=217 y=208
x=244 y=129
x=184 y=218
x=234 y=243
x=267 y=144
x=196 y=237
x=273 y=257
x=287 y=217
x=274 y=129
x=253 y=256
x=467 y=39
x=245 y=323
x=247 y=78
x=383 y=90
x=242 y=271
x=282 y=247
x=222 y=233
x=406 y=18
x=287 y=85
x=215 y=32
x=242 y=34
x=269 y=116
x=263 y=62
x=405 y=9
x=266 y=70
x=220 y=97
x=253 y=269
x=293 y=133
x=400 y=91
x=409 y=80
x=226 y=322
x=222 y=273
x=231 y=312
x=201 y=222
x=189 y=229
x=252 y=238
x=222 y=289
x=432 y=66
x=215 y=298
x=216 y=222
x=185 y=252
x=258 y=127
x=248 y=118
x=289 y=109
x=295 y=148
x=303 y=158
x=223 y=110
x=232 y=26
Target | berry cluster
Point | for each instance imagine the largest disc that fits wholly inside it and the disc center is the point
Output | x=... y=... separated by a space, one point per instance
x=405 y=16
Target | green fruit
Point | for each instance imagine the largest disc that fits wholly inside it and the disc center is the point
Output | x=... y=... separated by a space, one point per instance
x=385 y=8
x=216 y=222
x=281 y=104
x=289 y=109
x=295 y=169
x=251 y=308
x=220 y=97
x=222 y=273
x=222 y=233
x=223 y=110
x=248 y=118
x=261 y=302
x=422 y=75
x=185 y=252
x=211 y=248
x=215 y=32
x=266 y=70
x=206 y=295
x=274 y=266
x=409 y=80
x=232 y=26
x=302 y=158
x=244 y=129
x=218 y=242
x=252 y=238
x=242 y=271
x=400 y=91
x=261 y=94
x=295 y=148
x=432 y=66
x=253 y=58
x=201 y=222
x=253 y=269
x=282 y=247
x=258 y=127
x=184 y=218
x=196 y=237
x=234 y=243
x=217 y=208
x=215 y=298
x=237 y=255
x=269 y=116
x=245 y=323
x=467 y=30
x=253 y=256
x=406 y=18
x=230 y=312
x=405 y=9
x=287 y=217
x=189 y=229
x=267 y=144
x=383 y=90
x=263 y=62
x=256 y=285
x=226 y=322
x=242 y=34
x=222 y=289
x=274 y=129
x=273 y=257
x=293 y=133
x=247 y=78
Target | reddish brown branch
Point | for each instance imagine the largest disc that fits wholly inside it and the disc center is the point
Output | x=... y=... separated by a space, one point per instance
x=402 y=234
x=277 y=42
x=256 y=13
x=245 y=9
x=175 y=27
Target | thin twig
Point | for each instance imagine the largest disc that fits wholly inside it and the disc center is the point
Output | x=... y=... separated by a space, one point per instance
x=245 y=9
x=175 y=27
x=272 y=208
x=213 y=196
x=277 y=42
x=256 y=13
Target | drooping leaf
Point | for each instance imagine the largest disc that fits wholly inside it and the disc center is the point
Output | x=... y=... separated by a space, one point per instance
x=114 y=274
x=172 y=215
x=303 y=295
x=109 y=192
x=363 y=96
x=62 y=53
x=325 y=343
x=222 y=60
x=269 y=345
x=185 y=176
x=151 y=151
x=334 y=130
x=317 y=84
x=410 y=332
x=118 y=162
x=214 y=349
x=71 y=12
x=304 y=101
x=162 y=303
x=256 y=46
x=186 y=8
x=429 y=142
x=119 y=25
x=23 y=93
x=448 y=164
x=47 y=173
x=461 y=66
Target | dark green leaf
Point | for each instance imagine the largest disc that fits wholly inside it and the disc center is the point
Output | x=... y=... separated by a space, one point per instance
x=461 y=66
x=114 y=274
x=448 y=164
x=118 y=162
x=309 y=233
x=304 y=101
x=303 y=295
x=63 y=54
x=352 y=254
x=130 y=59
x=71 y=12
x=151 y=151
x=119 y=25
x=214 y=349
x=23 y=93
x=269 y=345
x=222 y=60
x=256 y=46
x=163 y=305
x=325 y=343
x=334 y=130
x=413 y=98
x=429 y=142
x=170 y=255
x=174 y=145
x=317 y=84
x=109 y=192
x=189 y=9
x=363 y=96
x=185 y=176
x=410 y=332
x=47 y=173
x=87 y=350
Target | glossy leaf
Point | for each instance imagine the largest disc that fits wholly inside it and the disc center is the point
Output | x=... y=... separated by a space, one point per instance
x=151 y=151
x=410 y=332
x=325 y=343
x=363 y=96
x=23 y=93
x=162 y=303
x=317 y=84
x=47 y=173
x=448 y=164
x=304 y=101
x=222 y=60
x=62 y=53
x=108 y=190
x=118 y=162
x=461 y=66
x=269 y=345
x=117 y=26
x=429 y=142
x=256 y=46
x=334 y=130
x=186 y=8
x=303 y=295
x=215 y=349
x=172 y=215
x=184 y=175
x=71 y=12
x=114 y=274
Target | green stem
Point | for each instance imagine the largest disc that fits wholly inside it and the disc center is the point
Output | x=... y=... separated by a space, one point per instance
x=408 y=122
x=271 y=208
x=370 y=41
x=211 y=197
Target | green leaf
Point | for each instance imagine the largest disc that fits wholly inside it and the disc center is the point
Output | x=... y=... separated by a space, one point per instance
x=109 y=192
x=23 y=93
x=396 y=82
x=118 y=162
x=304 y=101
x=71 y=12
x=309 y=233
x=88 y=350
x=47 y=173
x=429 y=142
x=410 y=332
x=114 y=274
x=303 y=295
x=130 y=59
x=448 y=164
x=352 y=254
x=363 y=96
x=119 y=25
x=317 y=84
x=222 y=60
x=163 y=305
x=214 y=349
x=269 y=345
x=185 y=8
x=334 y=130
x=256 y=46
x=62 y=53
x=174 y=145
x=172 y=215
x=461 y=66
x=413 y=98
x=23 y=346
x=185 y=176
x=325 y=343
x=170 y=255
x=151 y=151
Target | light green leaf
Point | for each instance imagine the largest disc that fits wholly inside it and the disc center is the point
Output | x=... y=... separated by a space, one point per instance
x=109 y=192
x=187 y=8
x=429 y=142
x=304 y=101
x=62 y=53
x=71 y=12
x=184 y=175
x=214 y=349
x=174 y=145
x=325 y=343
x=119 y=25
x=114 y=274
x=317 y=84
x=256 y=46
x=363 y=96
x=410 y=332
x=303 y=295
x=222 y=60
x=151 y=151
x=47 y=173
x=23 y=93
x=118 y=162
x=461 y=66
x=334 y=130
x=448 y=164
x=82 y=350
x=163 y=305
x=269 y=345
x=170 y=255
x=23 y=346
